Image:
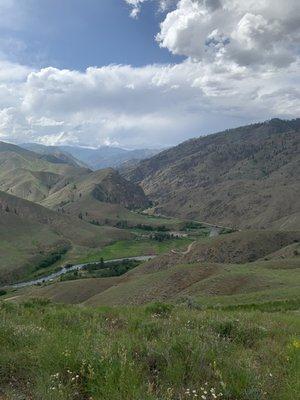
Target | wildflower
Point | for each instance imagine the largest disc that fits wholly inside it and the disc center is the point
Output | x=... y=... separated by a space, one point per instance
x=296 y=344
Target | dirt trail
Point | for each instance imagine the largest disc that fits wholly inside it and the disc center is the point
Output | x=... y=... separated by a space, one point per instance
x=184 y=253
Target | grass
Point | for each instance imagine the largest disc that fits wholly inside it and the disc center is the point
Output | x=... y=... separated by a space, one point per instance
x=135 y=247
x=156 y=352
x=205 y=285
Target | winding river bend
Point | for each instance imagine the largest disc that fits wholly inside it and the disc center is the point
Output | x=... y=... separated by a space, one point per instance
x=77 y=267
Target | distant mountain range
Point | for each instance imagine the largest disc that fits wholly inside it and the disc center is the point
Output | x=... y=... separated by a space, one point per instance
x=246 y=177
x=103 y=157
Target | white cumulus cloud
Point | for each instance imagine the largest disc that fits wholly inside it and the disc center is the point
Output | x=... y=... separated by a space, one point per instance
x=242 y=65
x=248 y=32
x=147 y=106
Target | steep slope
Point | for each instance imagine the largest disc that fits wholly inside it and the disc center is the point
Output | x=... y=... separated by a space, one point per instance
x=106 y=186
x=101 y=197
x=26 y=228
x=246 y=177
x=23 y=244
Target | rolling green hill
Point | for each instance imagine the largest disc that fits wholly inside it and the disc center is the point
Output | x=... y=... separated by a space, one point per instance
x=246 y=177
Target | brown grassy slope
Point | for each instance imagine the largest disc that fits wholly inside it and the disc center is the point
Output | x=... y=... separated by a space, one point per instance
x=54 y=183
x=169 y=276
x=260 y=280
x=103 y=186
x=71 y=228
x=23 y=243
x=233 y=248
x=29 y=231
x=102 y=213
x=28 y=175
x=72 y=292
x=245 y=177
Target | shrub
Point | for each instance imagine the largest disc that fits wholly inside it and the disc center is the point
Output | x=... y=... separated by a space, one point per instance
x=159 y=309
x=246 y=335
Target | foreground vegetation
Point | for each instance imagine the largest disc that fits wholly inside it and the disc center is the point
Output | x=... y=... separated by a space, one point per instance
x=155 y=352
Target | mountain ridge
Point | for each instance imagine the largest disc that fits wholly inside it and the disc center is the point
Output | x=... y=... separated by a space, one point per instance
x=245 y=177
x=95 y=158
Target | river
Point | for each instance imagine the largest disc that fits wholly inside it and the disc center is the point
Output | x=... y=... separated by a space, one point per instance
x=77 y=267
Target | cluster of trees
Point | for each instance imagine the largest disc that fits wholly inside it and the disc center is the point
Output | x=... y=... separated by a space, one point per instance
x=53 y=256
x=108 y=269
x=161 y=236
x=124 y=224
x=159 y=228
x=192 y=225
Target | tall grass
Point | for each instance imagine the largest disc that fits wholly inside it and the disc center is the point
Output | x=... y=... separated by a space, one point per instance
x=153 y=353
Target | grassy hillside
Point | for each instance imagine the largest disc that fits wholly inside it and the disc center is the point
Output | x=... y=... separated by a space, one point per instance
x=216 y=271
x=152 y=353
x=28 y=175
x=103 y=186
x=59 y=183
x=23 y=244
x=245 y=177
x=27 y=229
x=207 y=284
x=234 y=248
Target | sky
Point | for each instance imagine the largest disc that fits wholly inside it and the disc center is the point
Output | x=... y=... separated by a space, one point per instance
x=144 y=73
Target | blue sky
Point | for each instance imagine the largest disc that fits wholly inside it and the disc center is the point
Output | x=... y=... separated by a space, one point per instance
x=125 y=73
x=76 y=34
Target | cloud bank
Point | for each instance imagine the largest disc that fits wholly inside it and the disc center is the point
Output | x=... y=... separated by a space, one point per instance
x=242 y=64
